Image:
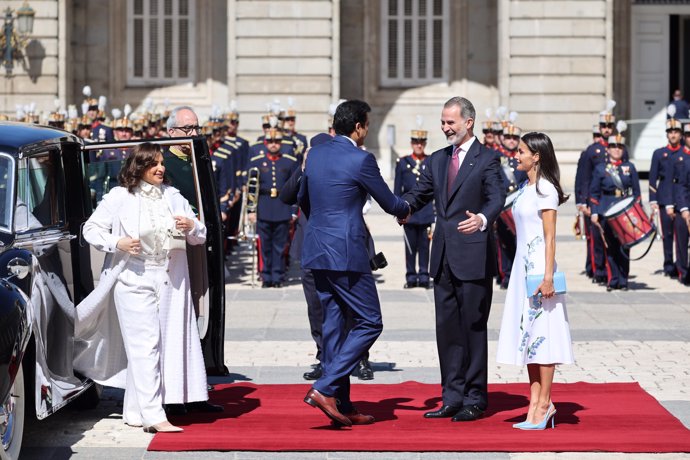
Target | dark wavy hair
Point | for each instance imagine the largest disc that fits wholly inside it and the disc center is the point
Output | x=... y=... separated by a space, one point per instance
x=348 y=114
x=141 y=158
x=539 y=143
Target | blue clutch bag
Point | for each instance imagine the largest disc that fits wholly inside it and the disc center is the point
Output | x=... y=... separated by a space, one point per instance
x=533 y=282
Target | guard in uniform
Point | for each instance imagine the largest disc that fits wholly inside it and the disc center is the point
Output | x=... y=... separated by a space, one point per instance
x=407 y=172
x=613 y=180
x=661 y=189
x=681 y=197
x=581 y=204
x=272 y=215
x=300 y=140
x=512 y=178
x=594 y=156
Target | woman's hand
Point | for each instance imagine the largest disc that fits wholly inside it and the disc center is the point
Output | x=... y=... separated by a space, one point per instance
x=129 y=245
x=546 y=288
x=183 y=223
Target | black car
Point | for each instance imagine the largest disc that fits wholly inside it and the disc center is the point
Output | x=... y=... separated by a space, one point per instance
x=50 y=182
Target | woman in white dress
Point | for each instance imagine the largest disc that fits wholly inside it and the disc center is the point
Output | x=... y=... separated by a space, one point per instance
x=144 y=227
x=534 y=330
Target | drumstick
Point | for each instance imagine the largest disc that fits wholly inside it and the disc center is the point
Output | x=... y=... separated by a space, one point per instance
x=601 y=232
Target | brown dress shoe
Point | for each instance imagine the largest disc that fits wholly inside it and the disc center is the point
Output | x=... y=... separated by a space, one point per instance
x=327 y=404
x=360 y=419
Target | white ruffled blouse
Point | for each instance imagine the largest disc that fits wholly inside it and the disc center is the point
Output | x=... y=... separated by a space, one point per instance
x=155 y=220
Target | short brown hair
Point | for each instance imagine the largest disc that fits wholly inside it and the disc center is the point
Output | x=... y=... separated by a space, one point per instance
x=142 y=157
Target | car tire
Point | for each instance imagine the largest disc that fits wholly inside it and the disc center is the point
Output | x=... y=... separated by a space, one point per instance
x=89 y=399
x=12 y=430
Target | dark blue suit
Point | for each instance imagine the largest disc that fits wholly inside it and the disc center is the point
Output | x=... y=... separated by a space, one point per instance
x=661 y=192
x=407 y=172
x=462 y=266
x=337 y=178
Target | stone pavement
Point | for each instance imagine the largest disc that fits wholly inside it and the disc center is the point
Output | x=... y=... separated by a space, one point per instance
x=641 y=335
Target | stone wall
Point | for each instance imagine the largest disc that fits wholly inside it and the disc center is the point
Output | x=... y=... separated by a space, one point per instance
x=556 y=66
x=282 y=49
x=37 y=78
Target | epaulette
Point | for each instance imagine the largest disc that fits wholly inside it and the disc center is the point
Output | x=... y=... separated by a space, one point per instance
x=220 y=155
x=288 y=141
x=256 y=143
x=224 y=150
x=256 y=157
x=289 y=157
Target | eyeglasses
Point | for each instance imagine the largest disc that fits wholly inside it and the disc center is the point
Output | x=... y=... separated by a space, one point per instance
x=189 y=129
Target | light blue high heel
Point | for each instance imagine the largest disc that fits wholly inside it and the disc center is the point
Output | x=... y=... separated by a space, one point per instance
x=550 y=415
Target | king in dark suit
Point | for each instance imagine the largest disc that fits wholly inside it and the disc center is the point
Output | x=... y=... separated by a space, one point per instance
x=465 y=181
x=337 y=178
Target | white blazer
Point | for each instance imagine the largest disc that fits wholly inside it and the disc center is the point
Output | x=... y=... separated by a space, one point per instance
x=99 y=349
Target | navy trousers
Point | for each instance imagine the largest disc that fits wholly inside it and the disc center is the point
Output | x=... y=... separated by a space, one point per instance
x=683 y=262
x=343 y=293
x=667 y=233
x=462 y=312
x=274 y=237
x=418 y=238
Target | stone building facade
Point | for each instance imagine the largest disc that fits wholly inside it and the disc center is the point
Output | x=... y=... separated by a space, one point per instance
x=555 y=62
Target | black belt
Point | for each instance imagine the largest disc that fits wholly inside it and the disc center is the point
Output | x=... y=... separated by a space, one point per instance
x=618 y=194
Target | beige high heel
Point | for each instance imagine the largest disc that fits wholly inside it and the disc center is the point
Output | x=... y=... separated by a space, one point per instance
x=163 y=427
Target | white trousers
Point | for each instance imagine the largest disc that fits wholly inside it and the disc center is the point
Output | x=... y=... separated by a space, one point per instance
x=137 y=302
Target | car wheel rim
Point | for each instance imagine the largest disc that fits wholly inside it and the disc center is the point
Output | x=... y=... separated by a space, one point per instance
x=12 y=418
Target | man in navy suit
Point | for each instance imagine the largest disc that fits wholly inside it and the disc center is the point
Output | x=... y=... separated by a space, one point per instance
x=464 y=179
x=337 y=178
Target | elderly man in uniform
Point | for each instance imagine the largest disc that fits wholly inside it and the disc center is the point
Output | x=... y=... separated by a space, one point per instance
x=272 y=215
x=417 y=227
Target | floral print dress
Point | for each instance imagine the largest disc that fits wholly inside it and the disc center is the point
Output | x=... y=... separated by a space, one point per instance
x=533 y=330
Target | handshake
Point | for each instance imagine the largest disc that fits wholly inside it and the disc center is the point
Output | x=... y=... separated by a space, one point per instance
x=403 y=221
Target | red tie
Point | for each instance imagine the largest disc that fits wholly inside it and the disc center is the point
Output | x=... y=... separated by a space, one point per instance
x=453 y=167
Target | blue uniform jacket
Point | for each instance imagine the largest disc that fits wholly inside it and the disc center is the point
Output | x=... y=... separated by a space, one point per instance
x=407 y=172
x=603 y=190
x=661 y=175
x=337 y=178
x=273 y=174
x=681 y=179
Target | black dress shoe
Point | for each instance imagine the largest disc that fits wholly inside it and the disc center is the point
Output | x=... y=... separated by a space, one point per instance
x=203 y=406
x=314 y=374
x=277 y=285
x=425 y=284
x=410 y=285
x=175 y=409
x=266 y=284
x=443 y=412
x=364 y=370
x=468 y=413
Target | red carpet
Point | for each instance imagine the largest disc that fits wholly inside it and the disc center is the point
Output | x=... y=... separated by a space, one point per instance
x=615 y=417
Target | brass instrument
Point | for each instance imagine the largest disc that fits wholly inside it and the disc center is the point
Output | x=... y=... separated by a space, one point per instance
x=247 y=229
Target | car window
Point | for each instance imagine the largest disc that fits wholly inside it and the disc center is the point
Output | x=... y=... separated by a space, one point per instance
x=103 y=164
x=6 y=182
x=38 y=193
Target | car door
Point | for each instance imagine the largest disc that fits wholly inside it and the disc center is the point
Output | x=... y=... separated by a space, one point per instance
x=101 y=165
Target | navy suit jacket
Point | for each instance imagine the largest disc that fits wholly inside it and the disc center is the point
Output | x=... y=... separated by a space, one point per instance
x=337 y=178
x=478 y=188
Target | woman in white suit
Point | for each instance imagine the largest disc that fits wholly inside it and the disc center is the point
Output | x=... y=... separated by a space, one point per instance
x=144 y=225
